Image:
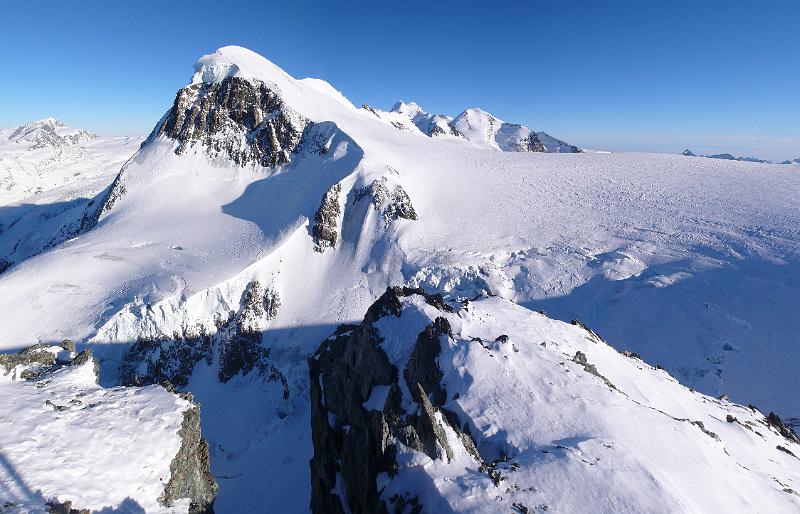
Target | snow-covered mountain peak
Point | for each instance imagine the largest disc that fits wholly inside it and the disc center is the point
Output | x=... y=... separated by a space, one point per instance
x=477 y=116
x=48 y=132
x=410 y=109
x=236 y=61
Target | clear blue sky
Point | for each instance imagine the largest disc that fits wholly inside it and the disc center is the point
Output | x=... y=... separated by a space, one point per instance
x=610 y=74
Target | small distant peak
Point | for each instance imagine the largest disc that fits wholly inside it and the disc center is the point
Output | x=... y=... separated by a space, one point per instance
x=410 y=109
x=476 y=113
x=688 y=153
x=52 y=121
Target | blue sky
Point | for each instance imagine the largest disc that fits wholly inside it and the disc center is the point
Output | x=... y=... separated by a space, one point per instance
x=646 y=75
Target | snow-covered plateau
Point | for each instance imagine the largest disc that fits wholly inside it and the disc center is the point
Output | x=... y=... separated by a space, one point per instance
x=243 y=255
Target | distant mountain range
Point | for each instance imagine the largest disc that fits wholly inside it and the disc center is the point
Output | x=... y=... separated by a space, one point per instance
x=476 y=126
x=730 y=157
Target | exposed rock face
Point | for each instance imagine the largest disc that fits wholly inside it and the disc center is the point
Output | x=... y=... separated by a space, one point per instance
x=244 y=120
x=326 y=220
x=191 y=468
x=534 y=144
x=392 y=202
x=358 y=415
x=240 y=340
x=166 y=359
x=234 y=340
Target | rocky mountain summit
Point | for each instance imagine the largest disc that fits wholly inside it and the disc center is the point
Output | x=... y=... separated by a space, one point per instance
x=246 y=121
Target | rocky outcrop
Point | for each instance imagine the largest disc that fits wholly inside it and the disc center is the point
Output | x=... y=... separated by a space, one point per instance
x=234 y=342
x=326 y=220
x=391 y=201
x=190 y=469
x=358 y=415
x=244 y=120
x=155 y=360
x=580 y=358
x=35 y=361
x=534 y=144
x=57 y=507
x=240 y=340
x=775 y=422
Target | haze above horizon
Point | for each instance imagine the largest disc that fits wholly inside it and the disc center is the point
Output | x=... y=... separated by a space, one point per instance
x=637 y=76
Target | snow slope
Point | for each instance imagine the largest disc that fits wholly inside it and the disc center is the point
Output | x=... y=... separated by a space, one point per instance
x=65 y=438
x=693 y=263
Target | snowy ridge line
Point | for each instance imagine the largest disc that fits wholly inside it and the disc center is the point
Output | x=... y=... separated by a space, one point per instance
x=507 y=418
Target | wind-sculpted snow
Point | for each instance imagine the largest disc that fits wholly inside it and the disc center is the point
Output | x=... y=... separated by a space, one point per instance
x=691 y=263
x=484 y=406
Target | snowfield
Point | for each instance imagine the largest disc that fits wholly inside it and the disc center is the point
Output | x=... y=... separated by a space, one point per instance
x=694 y=264
x=66 y=439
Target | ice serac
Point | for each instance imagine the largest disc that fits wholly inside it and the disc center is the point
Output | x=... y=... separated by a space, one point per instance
x=427 y=399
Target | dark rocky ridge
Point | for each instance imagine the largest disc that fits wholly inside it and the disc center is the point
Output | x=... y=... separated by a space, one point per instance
x=358 y=444
x=245 y=120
